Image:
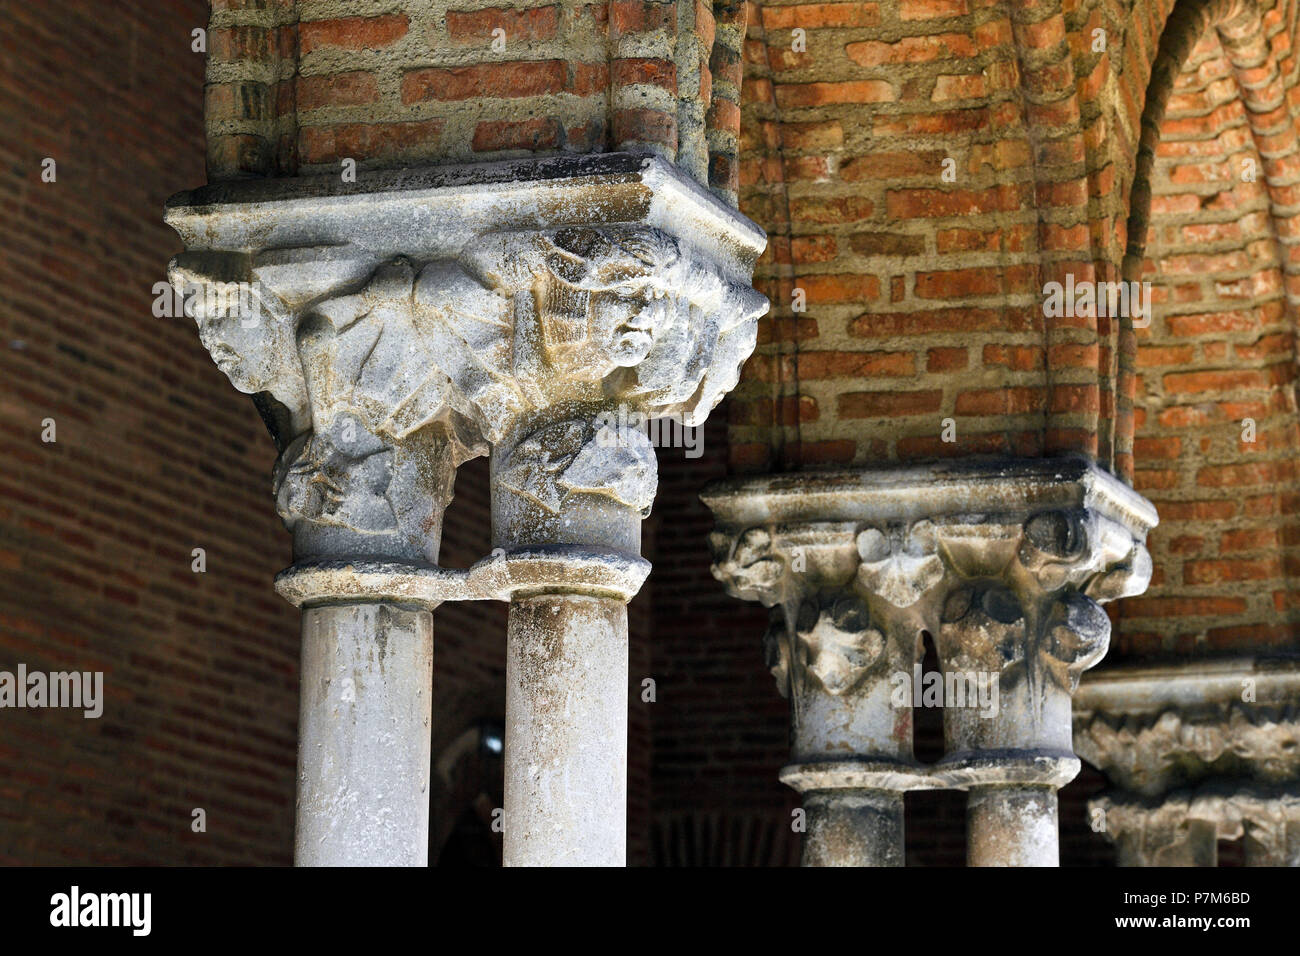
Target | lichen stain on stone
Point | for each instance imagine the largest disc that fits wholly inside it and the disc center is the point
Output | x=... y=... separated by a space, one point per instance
x=381 y=635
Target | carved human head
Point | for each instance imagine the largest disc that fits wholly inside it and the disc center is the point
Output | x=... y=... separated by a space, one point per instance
x=605 y=296
x=244 y=328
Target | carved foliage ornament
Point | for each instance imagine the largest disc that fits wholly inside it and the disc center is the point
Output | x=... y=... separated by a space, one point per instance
x=1152 y=753
x=579 y=456
x=1015 y=597
x=823 y=631
x=899 y=563
x=1182 y=828
x=462 y=349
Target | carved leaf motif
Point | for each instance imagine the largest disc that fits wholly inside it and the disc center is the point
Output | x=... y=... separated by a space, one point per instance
x=983 y=628
x=1078 y=639
x=573 y=457
x=1151 y=753
x=1056 y=547
x=899 y=565
x=619 y=462
x=323 y=477
x=1126 y=579
x=841 y=645
x=776 y=651
x=752 y=570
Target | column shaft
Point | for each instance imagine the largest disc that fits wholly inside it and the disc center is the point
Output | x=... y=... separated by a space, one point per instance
x=566 y=732
x=853 y=828
x=1012 y=826
x=364 y=736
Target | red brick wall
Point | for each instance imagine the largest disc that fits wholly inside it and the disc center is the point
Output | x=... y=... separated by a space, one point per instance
x=1220 y=350
x=155 y=455
x=300 y=86
x=720 y=727
x=922 y=290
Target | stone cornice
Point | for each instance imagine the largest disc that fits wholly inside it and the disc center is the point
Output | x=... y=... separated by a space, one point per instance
x=1210 y=684
x=434 y=211
x=946 y=489
x=1041 y=768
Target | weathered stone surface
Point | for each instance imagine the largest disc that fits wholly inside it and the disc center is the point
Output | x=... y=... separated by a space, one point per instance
x=1196 y=754
x=1151 y=730
x=391 y=329
x=364 y=742
x=1003 y=566
x=398 y=329
x=566 y=732
x=1184 y=827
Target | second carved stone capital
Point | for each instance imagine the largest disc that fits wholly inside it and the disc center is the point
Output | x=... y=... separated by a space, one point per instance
x=1198 y=753
x=1003 y=567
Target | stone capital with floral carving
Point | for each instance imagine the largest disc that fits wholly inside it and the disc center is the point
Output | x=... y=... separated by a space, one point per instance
x=1196 y=754
x=1002 y=566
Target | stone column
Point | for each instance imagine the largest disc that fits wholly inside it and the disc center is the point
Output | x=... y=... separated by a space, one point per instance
x=851 y=747
x=1004 y=566
x=566 y=731
x=1023 y=616
x=364 y=743
x=1196 y=753
x=388 y=330
x=560 y=490
x=618 y=325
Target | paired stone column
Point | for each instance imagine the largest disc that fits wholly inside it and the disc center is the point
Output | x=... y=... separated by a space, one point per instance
x=537 y=311
x=1196 y=754
x=364 y=750
x=1004 y=567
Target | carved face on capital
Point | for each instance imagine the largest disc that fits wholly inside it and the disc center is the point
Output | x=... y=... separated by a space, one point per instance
x=247 y=341
x=624 y=321
x=605 y=297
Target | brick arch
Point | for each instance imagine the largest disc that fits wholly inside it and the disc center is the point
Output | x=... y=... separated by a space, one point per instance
x=723 y=838
x=1220 y=349
x=840 y=153
x=1137 y=29
x=1079 y=114
x=1265 y=91
x=1059 y=78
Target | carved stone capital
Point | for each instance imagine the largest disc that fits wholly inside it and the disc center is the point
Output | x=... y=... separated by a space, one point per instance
x=1003 y=566
x=1154 y=729
x=394 y=327
x=827 y=647
x=1184 y=827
